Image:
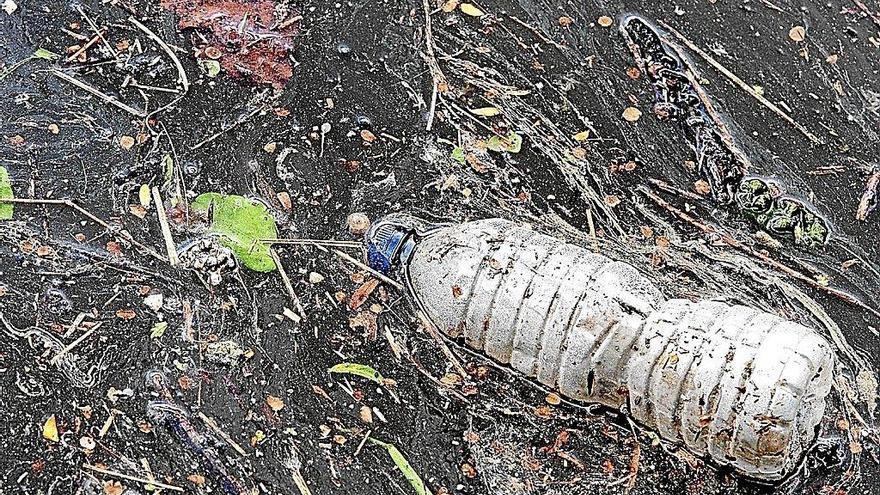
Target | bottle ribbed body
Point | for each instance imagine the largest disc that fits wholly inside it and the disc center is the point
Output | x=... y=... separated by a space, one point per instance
x=741 y=386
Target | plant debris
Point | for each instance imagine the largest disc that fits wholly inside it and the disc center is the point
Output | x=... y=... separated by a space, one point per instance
x=242 y=223
x=252 y=40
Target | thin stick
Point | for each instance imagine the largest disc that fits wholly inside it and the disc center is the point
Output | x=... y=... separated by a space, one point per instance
x=868 y=200
x=170 y=245
x=430 y=56
x=227 y=129
x=592 y=227
x=103 y=96
x=665 y=186
x=181 y=74
x=303 y=242
x=83 y=48
x=742 y=84
x=362 y=266
x=286 y=281
x=75 y=343
x=537 y=33
x=97 y=31
x=435 y=334
x=214 y=426
x=730 y=241
x=433 y=108
x=72 y=204
x=131 y=478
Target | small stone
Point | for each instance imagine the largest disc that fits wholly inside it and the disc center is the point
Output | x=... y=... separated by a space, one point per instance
x=605 y=21
x=213 y=52
x=126 y=142
x=315 y=278
x=87 y=443
x=358 y=223
x=343 y=48
x=154 y=301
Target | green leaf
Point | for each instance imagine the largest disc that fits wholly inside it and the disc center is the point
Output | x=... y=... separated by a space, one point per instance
x=158 y=329
x=45 y=54
x=457 y=154
x=404 y=466
x=241 y=222
x=512 y=143
x=211 y=67
x=6 y=209
x=168 y=168
x=359 y=370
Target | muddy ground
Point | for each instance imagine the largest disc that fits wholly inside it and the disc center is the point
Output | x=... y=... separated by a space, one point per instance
x=555 y=70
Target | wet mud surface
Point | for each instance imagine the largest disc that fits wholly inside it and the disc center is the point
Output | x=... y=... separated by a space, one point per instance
x=231 y=395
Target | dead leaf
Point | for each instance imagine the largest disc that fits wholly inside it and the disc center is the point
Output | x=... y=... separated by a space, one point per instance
x=113 y=488
x=581 y=136
x=275 y=403
x=631 y=114
x=360 y=296
x=449 y=6
x=553 y=399
x=486 y=111
x=702 y=187
x=471 y=10
x=50 y=429
x=196 y=479
x=612 y=200
x=125 y=313
x=367 y=136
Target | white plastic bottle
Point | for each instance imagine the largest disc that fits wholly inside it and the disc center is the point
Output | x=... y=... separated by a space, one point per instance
x=743 y=387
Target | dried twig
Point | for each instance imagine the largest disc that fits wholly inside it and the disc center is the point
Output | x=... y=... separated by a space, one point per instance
x=181 y=74
x=286 y=281
x=742 y=84
x=864 y=8
x=83 y=48
x=107 y=98
x=97 y=31
x=214 y=426
x=138 y=479
x=362 y=266
x=869 y=197
x=75 y=343
x=170 y=245
x=72 y=204
x=734 y=243
x=536 y=32
x=435 y=334
x=430 y=58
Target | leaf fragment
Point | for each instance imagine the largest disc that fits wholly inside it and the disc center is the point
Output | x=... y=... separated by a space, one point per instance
x=6 y=209
x=404 y=466
x=361 y=370
x=158 y=329
x=471 y=10
x=486 y=111
x=512 y=143
x=50 y=429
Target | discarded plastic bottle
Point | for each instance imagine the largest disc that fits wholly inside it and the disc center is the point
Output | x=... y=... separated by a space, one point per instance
x=741 y=386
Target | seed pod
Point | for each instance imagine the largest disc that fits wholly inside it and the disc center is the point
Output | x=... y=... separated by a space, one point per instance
x=741 y=386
